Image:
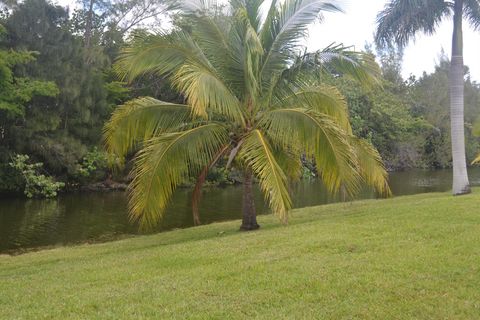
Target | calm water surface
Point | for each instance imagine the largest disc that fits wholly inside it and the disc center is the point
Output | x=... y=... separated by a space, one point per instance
x=85 y=217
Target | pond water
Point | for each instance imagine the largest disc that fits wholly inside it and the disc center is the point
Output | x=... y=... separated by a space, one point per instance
x=92 y=217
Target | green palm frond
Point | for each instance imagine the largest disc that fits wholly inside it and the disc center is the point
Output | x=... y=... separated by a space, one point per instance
x=472 y=13
x=214 y=37
x=337 y=60
x=289 y=23
x=257 y=153
x=476 y=127
x=400 y=20
x=179 y=57
x=360 y=66
x=206 y=92
x=139 y=120
x=252 y=11
x=165 y=162
x=320 y=136
x=370 y=166
x=477 y=160
x=161 y=54
x=290 y=162
x=198 y=6
x=251 y=53
x=283 y=34
x=267 y=24
x=323 y=99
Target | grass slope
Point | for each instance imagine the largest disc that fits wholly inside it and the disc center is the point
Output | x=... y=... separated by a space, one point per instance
x=415 y=257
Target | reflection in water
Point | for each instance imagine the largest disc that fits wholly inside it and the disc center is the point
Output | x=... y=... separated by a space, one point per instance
x=38 y=224
x=84 y=217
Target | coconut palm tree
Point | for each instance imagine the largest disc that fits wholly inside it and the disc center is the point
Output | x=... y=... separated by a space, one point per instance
x=400 y=21
x=253 y=96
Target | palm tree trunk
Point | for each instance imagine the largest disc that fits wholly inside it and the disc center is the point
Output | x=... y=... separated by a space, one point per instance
x=460 y=177
x=249 y=220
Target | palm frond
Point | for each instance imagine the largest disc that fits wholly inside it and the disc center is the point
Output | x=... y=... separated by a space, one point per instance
x=251 y=53
x=252 y=10
x=266 y=25
x=401 y=20
x=370 y=166
x=337 y=60
x=224 y=51
x=476 y=127
x=477 y=160
x=312 y=68
x=283 y=33
x=179 y=57
x=257 y=153
x=205 y=92
x=167 y=161
x=161 y=54
x=288 y=24
x=290 y=162
x=320 y=136
x=471 y=11
x=195 y=7
x=139 y=120
x=320 y=98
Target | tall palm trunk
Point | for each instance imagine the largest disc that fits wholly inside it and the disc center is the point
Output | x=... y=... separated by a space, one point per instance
x=460 y=177
x=249 y=220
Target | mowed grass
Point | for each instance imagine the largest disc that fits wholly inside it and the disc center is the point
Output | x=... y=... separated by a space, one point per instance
x=415 y=257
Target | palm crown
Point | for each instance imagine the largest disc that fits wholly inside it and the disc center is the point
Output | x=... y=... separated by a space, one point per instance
x=253 y=95
x=401 y=20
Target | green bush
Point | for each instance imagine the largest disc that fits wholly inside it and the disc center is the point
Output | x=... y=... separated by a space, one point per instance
x=10 y=179
x=35 y=183
x=93 y=166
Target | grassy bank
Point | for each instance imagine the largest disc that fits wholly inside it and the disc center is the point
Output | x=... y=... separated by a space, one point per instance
x=415 y=257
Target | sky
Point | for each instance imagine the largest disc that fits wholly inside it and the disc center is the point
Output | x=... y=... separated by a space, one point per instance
x=355 y=27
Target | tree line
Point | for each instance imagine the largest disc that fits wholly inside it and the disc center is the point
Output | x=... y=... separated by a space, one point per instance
x=58 y=87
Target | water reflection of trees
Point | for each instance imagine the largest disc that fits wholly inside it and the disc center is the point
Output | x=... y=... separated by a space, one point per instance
x=39 y=223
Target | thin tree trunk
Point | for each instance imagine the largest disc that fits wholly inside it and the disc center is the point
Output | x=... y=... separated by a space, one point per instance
x=89 y=25
x=197 y=195
x=249 y=221
x=460 y=177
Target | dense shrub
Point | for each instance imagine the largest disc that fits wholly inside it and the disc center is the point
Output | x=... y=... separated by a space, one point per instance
x=35 y=184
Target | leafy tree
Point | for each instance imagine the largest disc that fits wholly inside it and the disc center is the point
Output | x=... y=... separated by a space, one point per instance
x=17 y=92
x=391 y=59
x=252 y=96
x=383 y=116
x=430 y=99
x=403 y=19
x=101 y=21
x=57 y=130
x=125 y=15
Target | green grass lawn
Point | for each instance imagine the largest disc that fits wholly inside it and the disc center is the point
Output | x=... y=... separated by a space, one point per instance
x=415 y=257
